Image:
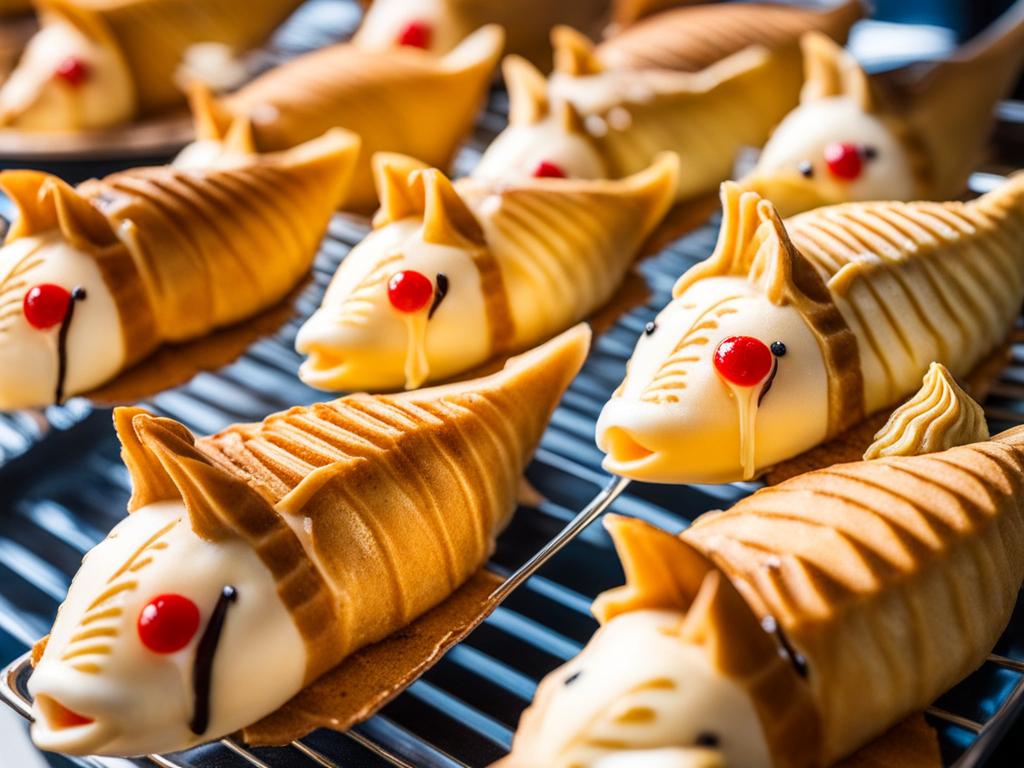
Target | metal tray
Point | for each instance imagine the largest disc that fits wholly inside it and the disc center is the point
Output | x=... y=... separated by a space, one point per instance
x=62 y=486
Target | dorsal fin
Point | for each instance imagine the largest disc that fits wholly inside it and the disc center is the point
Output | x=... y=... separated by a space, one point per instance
x=949 y=106
x=570 y=119
x=45 y=202
x=446 y=218
x=210 y=494
x=481 y=49
x=665 y=572
x=209 y=119
x=239 y=139
x=830 y=71
x=574 y=53
x=527 y=91
x=391 y=174
x=149 y=480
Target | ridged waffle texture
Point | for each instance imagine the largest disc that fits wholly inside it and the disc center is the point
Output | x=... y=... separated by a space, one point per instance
x=690 y=39
x=153 y=35
x=185 y=252
x=893 y=578
x=397 y=100
x=368 y=510
x=920 y=282
x=563 y=248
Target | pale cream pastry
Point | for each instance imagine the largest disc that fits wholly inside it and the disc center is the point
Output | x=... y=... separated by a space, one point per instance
x=99 y=63
x=792 y=332
x=798 y=626
x=94 y=278
x=919 y=136
x=439 y=25
x=398 y=100
x=939 y=416
x=455 y=275
x=307 y=537
x=692 y=38
x=591 y=122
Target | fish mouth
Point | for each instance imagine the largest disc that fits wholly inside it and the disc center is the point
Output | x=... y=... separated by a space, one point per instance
x=626 y=455
x=324 y=370
x=59 y=728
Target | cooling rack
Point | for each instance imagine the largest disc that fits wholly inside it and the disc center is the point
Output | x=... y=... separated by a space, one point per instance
x=62 y=486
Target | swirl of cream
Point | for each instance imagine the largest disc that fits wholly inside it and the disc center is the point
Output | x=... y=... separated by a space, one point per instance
x=940 y=416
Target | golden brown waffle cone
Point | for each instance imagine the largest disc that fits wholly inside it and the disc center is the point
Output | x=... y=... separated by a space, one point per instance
x=185 y=252
x=705 y=117
x=893 y=578
x=398 y=100
x=152 y=35
x=401 y=497
x=564 y=246
x=690 y=39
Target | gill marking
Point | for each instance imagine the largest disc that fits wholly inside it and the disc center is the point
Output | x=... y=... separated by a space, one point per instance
x=671 y=376
x=13 y=286
x=100 y=619
x=356 y=308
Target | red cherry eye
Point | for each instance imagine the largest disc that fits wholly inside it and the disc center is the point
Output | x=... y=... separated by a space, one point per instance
x=548 y=170
x=409 y=291
x=743 y=360
x=46 y=305
x=73 y=71
x=168 y=623
x=416 y=34
x=844 y=160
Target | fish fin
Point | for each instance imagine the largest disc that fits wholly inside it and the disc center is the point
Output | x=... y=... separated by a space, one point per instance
x=210 y=119
x=391 y=173
x=570 y=119
x=212 y=496
x=150 y=482
x=829 y=70
x=239 y=137
x=480 y=49
x=527 y=91
x=46 y=202
x=574 y=53
x=447 y=219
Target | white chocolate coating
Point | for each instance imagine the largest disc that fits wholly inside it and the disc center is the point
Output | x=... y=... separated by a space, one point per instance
x=28 y=355
x=386 y=19
x=517 y=151
x=675 y=415
x=641 y=697
x=34 y=99
x=357 y=316
x=141 y=701
x=803 y=136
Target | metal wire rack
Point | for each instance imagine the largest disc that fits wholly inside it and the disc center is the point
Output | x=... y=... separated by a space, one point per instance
x=63 y=486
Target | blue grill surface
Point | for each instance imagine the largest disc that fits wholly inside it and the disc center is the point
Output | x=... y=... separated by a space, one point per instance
x=62 y=487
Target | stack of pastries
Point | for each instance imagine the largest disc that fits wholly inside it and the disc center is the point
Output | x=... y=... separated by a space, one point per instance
x=854 y=302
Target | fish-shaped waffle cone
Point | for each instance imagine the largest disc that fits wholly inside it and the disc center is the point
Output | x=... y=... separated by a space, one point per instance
x=506 y=265
x=151 y=36
x=706 y=117
x=918 y=133
x=398 y=100
x=693 y=38
x=185 y=252
x=892 y=578
x=399 y=498
x=445 y=23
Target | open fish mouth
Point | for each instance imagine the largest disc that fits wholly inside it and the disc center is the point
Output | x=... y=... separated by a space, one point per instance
x=623 y=449
x=61 y=728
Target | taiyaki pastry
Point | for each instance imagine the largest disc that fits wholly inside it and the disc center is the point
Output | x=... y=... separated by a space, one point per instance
x=398 y=100
x=99 y=63
x=588 y=122
x=796 y=627
x=692 y=38
x=791 y=333
x=308 y=536
x=856 y=137
x=439 y=25
x=95 y=278
x=455 y=276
